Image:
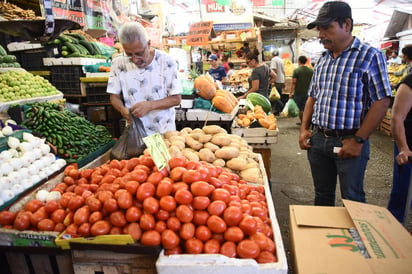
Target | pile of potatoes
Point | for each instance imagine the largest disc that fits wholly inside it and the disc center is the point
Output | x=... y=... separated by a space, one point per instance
x=214 y=145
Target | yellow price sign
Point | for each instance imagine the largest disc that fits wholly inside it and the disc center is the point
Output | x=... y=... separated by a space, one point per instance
x=158 y=150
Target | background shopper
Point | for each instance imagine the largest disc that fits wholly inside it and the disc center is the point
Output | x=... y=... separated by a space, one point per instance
x=348 y=98
x=278 y=67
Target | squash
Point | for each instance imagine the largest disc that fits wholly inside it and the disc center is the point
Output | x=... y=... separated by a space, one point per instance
x=224 y=101
x=205 y=88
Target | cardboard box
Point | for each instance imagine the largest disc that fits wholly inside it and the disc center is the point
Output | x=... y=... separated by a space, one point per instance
x=323 y=241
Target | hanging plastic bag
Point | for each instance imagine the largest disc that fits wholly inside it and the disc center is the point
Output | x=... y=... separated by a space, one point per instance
x=274 y=94
x=285 y=110
x=130 y=143
x=293 y=109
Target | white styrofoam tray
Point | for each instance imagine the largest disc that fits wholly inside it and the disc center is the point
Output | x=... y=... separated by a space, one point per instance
x=5 y=105
x=255 y=135
x=19 y=46
x=206 y=115
x=216 y=263
x=73 y=61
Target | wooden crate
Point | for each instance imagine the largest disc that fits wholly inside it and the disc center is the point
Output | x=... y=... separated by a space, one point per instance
x=105 y=262
x=256 y=135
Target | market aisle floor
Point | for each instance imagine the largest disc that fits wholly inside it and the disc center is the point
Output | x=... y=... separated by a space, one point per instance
x=292 y=181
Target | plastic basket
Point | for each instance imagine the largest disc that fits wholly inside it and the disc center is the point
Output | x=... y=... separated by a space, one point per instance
x=67 y=78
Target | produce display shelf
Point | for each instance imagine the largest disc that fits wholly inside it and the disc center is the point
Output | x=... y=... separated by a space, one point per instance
x=216 y=263
x=206 y=115
x=255 y=135
x=4 y=106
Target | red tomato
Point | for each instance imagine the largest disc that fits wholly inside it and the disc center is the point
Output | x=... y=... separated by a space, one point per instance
x=200 y=217
x=184 y=213
x=108 y=178
x=58 y=215
x=46 y=225
x=234 y=234
x=115 y=164
x=162 y=215
x=211 y=246
x=75 y=202
x=95 y=216
x=183 y=197
x=94 y=204
x=101 y=227
x=194 y=246
x=216 y=224
x=201 y=188
x=147 y=160
x=114 y=230
x=150 y=238
x=200 y=202
x=145 y=190
x=173 y=223
x=192 y=165
x=266 y=257
x=248 y=224
x=132 y=163
x=191 y=175
x=151 y=205
x=167 y=203
x=216 y=208
x=33 y=205
x=228 y=249
x=84 y=229
x=81 y=215
x=174 y=251
x=187 y=231
x=232 y=215
x=37 y=216
x=139 y=175
x=147 y=221
x=215 y=182
x=7 y=217
x=160 y=226
x=118 y=219
x=124 y=199
x=203 y=233
x=134 y=230
x=169 y=239
x=110 y=205
x=51 y=206
x=176 y=174
x=132 y=186
x=86 y=173
x=177 y=162
x=155 y=177
x=179 y=185
x=72 y=229
x=133 y=214
x=261 y=239
x=164 y=188
x=59 y=227
x=248 y=249
x=221 y=194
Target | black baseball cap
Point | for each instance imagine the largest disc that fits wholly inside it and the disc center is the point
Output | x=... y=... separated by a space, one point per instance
x=329 y=12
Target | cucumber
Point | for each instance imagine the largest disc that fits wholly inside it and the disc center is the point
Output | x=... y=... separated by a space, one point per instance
x=258 y=99
x=88 y=46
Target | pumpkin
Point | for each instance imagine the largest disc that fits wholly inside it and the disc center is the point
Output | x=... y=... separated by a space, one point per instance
x=205 y=87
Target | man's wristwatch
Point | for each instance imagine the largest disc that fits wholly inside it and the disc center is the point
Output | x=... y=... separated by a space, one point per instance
x=359 y=139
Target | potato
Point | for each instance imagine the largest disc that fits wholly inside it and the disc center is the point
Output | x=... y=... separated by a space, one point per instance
x=190 y=154
x=213 y=129
x=197 y=130
x=207 y=155
x=237 y=163
x=211 y=146
x=192 y=143
x=196 y=135
x=227 y=152
x=174 y=151
x=251 y=175
x=186 y=130
x=219 y=162
x=170 y=134
x=221 y=139
x=205 y=138
x=181 y=145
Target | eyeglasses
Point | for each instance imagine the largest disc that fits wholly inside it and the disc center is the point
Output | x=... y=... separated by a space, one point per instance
x=137 y=55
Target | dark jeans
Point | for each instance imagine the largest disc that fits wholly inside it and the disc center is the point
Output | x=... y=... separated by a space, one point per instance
x=326 y=166
x=400 y=187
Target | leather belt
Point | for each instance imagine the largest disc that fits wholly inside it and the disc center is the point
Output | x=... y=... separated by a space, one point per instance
x=334 y=133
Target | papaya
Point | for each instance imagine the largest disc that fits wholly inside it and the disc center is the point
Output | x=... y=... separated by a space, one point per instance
x=205 y=88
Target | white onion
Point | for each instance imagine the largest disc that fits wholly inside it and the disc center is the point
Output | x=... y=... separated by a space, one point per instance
x=41 y=195
x=44 y=148
x=35 y=179
x=27 y=136
x=10 y=122
x=53 y=196
x=24 y=172
x=6 y=195
x=6 y=168
x=33 y=169
x=15 y=177
x=14 y=152
x=16 y=163
x=1 y=202
x=7 y=130
x=30 y=156
x=17 y=189
x=5 y=155
x=26 y=183
x=25 y=146
x=13 y=142
x=42 y=174
x=37 y=153
x=61 y=162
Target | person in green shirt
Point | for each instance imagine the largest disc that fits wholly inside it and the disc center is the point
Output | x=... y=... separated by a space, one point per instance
x=301 y=78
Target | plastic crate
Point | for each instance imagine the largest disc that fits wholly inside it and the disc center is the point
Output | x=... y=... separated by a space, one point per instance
x=33 y=59
x=67 y=79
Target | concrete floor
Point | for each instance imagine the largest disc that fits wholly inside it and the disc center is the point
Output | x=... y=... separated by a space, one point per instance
x=292 y=181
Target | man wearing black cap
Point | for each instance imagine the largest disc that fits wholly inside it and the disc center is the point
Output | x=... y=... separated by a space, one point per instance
x=348 y=97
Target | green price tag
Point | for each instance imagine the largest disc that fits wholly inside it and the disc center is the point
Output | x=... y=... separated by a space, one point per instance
x=158 y=150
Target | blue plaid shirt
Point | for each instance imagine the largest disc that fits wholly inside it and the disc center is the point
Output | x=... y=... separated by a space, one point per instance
x=345 y=87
